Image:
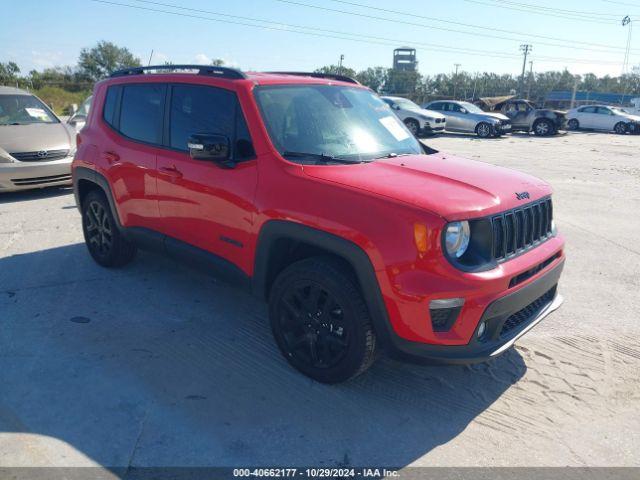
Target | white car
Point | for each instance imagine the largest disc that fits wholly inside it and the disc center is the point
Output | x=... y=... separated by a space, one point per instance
x=418 y=120
x=602 y=117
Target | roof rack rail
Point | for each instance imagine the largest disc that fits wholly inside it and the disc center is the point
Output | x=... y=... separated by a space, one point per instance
x=330 y=76
x=211 y=70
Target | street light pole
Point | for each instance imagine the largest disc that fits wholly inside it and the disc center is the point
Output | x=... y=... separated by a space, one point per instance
x=455 y=81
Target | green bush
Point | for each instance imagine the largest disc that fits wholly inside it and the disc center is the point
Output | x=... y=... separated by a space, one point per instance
x=60 y=100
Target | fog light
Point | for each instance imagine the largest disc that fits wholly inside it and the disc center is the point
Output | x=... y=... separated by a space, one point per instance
x=481 y=329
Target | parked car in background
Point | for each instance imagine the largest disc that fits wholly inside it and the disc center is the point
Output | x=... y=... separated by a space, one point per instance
x=370 y=240
x=36 y=148
x=79 y=118
x=418 y=120
x=603 y=118
x=468 y=118
x=525 y=117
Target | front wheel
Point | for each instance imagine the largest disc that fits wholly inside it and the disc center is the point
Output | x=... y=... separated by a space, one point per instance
x=620 y=128
x=413 y=126
x=543 y=128
x=320 y=320
x=104 y=240
x=484 y=130
x=573 y=124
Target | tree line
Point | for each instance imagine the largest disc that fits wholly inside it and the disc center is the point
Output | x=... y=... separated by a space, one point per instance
x=61 y=86
x=471 y=86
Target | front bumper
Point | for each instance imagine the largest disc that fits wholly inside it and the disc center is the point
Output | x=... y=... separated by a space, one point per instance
x=433 y=128
x=520 y=310
x=16 y=176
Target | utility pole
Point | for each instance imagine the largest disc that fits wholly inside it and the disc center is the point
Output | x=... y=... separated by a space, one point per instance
x=150 y=57
x=455 y=80
x=340 y=64
x=530 y=80
x=525 y=49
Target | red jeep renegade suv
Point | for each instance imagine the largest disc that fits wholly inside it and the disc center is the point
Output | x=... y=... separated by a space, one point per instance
x=307 y=190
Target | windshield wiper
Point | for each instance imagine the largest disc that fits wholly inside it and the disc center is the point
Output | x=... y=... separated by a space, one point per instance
x=320 y=157
x=393 y=155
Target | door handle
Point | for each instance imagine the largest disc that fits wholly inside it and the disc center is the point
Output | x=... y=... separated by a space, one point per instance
x=111 y=157
x=172 y=172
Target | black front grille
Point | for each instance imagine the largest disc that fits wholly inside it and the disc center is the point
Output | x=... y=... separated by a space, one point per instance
x=442 y=319
x=520 y=229
x=40 y=156
x=529 y=312
x=42 y=180
x=439 y=120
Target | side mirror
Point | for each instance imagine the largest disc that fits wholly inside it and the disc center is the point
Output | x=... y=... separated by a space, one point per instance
x=463 y=110
x=76 y=119
x=395 y=107
x=209 y=146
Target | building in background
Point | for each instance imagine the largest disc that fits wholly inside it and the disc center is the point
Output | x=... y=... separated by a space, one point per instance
x=564 y=98
x=404 y=59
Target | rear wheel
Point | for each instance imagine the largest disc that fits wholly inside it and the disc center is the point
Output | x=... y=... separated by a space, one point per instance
x=543 y=128
x=573 y=124
x=413 y=126
x=320 y=320
x=484 y=130
x=104 y=240
x=620 y=128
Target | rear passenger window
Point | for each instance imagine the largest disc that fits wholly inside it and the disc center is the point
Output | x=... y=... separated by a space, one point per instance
x=200 y=109
x=141 y=112
x=110 y=105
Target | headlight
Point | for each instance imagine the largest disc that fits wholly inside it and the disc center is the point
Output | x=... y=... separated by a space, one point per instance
x=456 y=238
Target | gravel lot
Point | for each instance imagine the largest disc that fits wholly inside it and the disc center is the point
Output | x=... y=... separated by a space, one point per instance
x=157 y=364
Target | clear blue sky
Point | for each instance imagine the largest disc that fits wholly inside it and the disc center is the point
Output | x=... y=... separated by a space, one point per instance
x=43 y=33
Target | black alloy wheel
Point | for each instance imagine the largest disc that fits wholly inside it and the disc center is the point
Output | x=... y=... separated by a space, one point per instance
x=320 y=320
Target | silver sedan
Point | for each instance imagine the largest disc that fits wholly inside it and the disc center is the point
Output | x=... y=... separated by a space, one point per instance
x=467 y=118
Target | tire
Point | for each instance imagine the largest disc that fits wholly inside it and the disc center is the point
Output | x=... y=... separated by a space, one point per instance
x=484 y=130
x=320 y=321
x=104 y=240
x=413 y=126
x=573 y=124
x=543 y=128
x=620 y=128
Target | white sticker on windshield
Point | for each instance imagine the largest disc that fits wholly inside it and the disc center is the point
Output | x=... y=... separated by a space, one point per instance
x=394 y=126
x=37 y=113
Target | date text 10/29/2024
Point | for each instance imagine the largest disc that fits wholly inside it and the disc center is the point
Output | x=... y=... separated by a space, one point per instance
x=315 y=472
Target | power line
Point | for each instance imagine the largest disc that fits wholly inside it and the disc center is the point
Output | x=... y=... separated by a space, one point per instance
x=469 y=25
x=547 y=14
x=570 y=43
x=561 y=11
x=305 y=30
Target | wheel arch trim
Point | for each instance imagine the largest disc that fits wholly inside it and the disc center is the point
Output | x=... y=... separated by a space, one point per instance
x=354 y=255
x=88 y=174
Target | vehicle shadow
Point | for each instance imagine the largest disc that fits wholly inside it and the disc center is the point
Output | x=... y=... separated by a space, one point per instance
x=159 y=365
x=36 y=194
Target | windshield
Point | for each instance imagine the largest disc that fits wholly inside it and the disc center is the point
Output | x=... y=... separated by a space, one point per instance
x=407 y=104
x=84 y=108
x=24 y=110
x=332 y=121
x=471 y=108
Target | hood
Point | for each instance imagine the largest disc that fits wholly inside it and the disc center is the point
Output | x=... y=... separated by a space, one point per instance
x=452 y=187
x=431 y=113
x=632 y=117
x=499 y=116
x=36 y=136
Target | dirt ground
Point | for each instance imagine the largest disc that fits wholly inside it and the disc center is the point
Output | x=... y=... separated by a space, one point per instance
x=156 y=364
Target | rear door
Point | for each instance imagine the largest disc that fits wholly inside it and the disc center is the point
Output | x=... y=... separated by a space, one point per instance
x=133 y=114
x=587 y=117
x=202 y=202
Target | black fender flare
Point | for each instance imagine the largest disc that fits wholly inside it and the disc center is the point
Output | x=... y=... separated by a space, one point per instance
x=84 y=173
x=356 y=257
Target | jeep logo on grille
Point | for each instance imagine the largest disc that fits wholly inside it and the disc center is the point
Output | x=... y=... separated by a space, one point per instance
x=522 y=195
x=42 y=153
